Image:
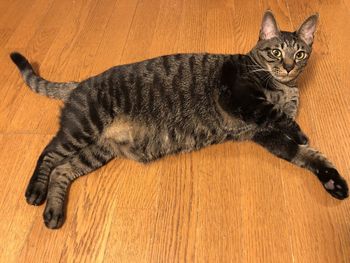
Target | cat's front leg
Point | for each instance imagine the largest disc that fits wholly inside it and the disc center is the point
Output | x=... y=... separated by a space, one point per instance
x=304 y=156
x=250 y=104
x=267 y=115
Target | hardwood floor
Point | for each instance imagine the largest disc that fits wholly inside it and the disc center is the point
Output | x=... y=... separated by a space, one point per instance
x=227 y=203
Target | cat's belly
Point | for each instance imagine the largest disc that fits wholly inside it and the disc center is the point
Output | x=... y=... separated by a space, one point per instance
x=170 y=142
x=165 y=145
x=145 y=143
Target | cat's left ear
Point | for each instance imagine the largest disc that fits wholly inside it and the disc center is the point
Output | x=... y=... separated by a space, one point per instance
x=307 y=29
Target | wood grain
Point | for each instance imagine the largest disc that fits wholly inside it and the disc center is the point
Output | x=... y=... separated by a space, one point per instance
x=228 y=203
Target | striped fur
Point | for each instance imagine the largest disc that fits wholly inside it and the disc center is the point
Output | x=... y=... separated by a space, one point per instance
x=56 y=90
x=165 y=105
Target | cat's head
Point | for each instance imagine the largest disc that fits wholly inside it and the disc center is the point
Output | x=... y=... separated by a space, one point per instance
x=284 y=54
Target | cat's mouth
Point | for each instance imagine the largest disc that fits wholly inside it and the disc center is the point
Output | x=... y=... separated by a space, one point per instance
x=284 y=77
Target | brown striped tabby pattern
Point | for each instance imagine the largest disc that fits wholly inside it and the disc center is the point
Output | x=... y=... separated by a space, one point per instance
x=178 y=103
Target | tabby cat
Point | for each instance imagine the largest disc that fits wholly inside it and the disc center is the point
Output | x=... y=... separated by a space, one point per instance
x=178 y=103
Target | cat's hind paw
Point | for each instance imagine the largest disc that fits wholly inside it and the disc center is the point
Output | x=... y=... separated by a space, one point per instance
x=54 y=217
x=36 y=193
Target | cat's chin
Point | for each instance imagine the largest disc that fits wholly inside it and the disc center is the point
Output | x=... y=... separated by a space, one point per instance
x=285 y=79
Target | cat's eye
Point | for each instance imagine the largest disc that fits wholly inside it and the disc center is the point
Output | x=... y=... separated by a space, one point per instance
x=276 y=53
x=300 y=55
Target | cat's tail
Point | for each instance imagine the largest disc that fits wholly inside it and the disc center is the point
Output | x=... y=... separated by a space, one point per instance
x=56 y=90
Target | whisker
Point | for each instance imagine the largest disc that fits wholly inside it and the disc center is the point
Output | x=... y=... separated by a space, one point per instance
x=259 y=70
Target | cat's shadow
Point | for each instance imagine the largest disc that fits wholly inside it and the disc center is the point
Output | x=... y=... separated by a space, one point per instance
x=36 y=68
x=317 y=191
x=309 y=181
x=308 y=77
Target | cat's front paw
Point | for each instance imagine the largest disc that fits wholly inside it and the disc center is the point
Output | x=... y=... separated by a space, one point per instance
x=36 y=193
x=297 y=134
x=333 y=183
x=302 y=139
x=54 y=216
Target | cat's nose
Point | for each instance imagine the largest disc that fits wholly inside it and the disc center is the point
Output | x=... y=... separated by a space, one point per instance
x=288 y=67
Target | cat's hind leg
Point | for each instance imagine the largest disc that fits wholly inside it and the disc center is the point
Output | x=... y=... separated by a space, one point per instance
x=85 y=161
x=37 y=187
x=82 y=121
x=304 y=156
x=59 y=148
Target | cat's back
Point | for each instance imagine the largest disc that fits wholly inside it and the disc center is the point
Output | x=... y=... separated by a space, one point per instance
x=168 y=70
x=161 y=87
x=163 y=70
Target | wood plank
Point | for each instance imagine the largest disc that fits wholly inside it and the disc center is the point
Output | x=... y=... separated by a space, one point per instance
x=18 y=155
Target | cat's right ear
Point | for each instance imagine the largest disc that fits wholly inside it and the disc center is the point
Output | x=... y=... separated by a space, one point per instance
x=269 y=28
x=307 y=29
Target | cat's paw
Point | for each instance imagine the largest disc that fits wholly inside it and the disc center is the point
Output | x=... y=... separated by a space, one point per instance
x=298 y=135
x=54 y=216
x=294 y=132
x=333 y=183
x=302 y=139
x=36 y=193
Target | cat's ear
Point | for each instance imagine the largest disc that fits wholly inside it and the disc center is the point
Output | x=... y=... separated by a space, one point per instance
x=269 y=28
x=307 y=29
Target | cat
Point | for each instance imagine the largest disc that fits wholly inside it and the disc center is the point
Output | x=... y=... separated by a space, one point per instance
x=178 y=103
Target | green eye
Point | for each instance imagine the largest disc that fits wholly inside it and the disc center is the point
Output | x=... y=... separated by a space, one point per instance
x=276 y=53
x=300 y=55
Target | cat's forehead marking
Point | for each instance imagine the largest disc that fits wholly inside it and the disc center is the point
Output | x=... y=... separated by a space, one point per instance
x=290 y=39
